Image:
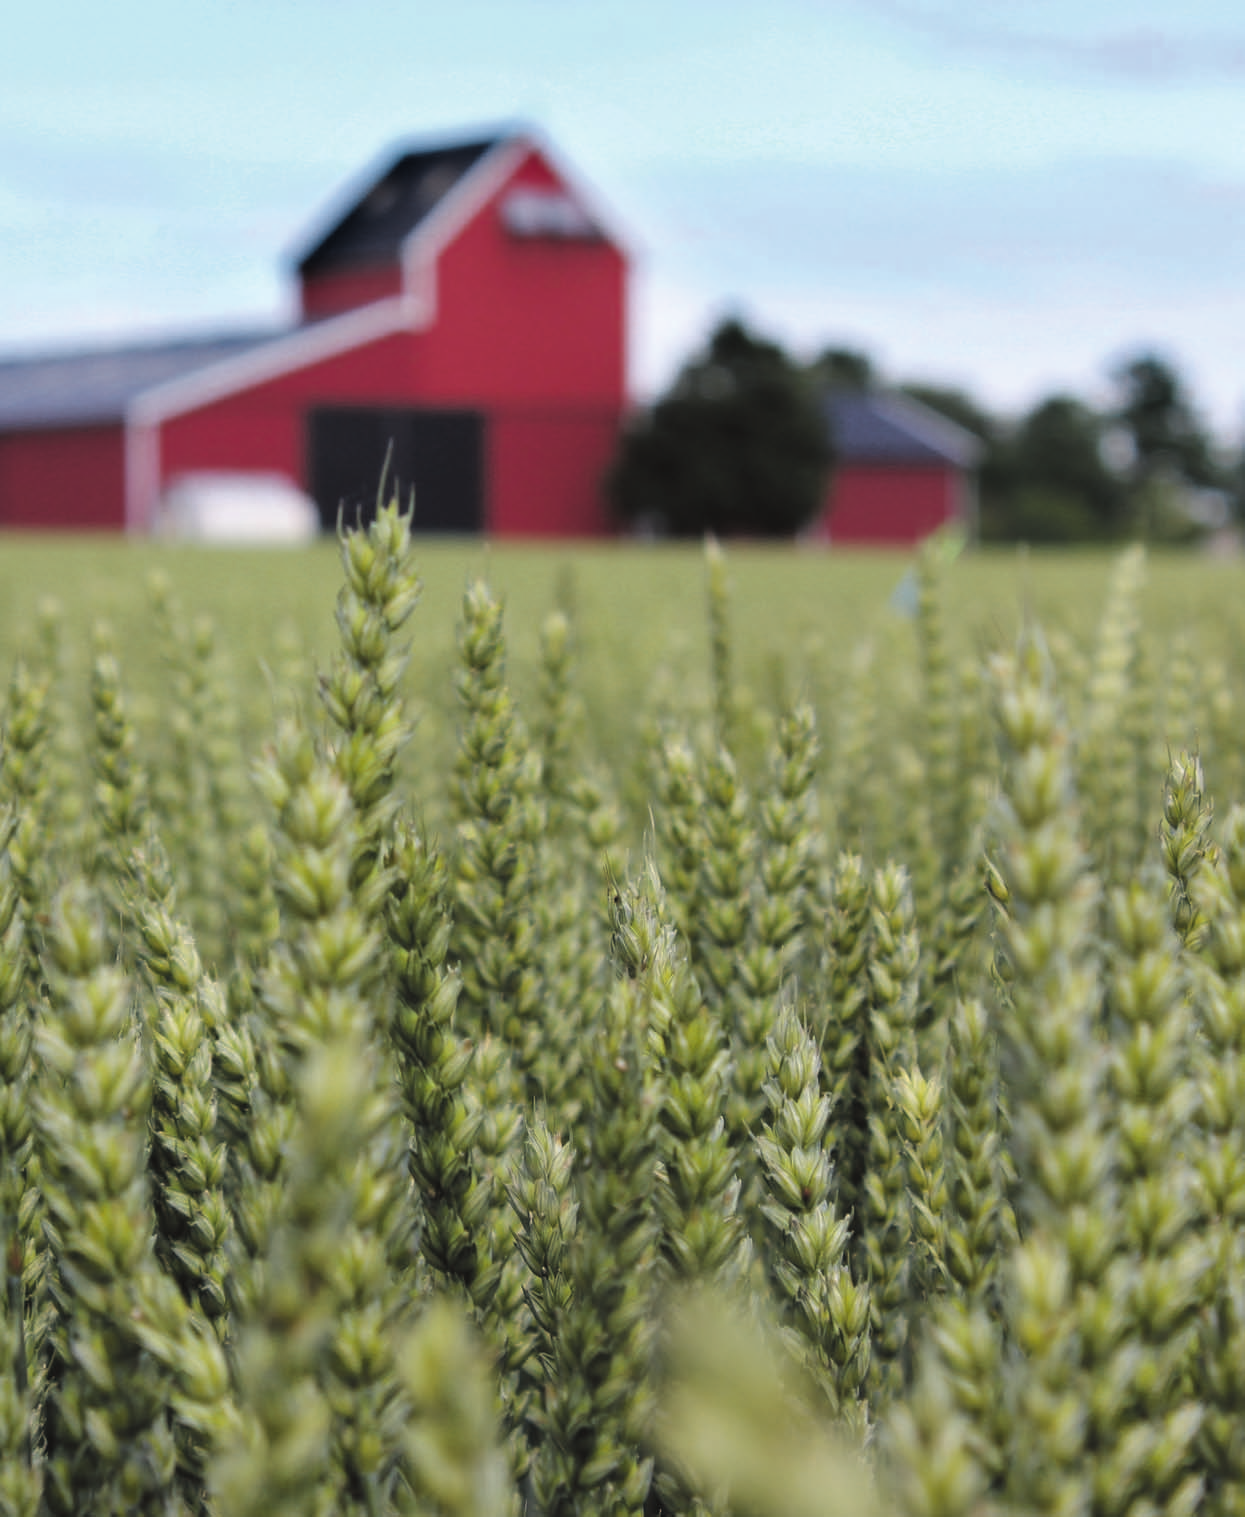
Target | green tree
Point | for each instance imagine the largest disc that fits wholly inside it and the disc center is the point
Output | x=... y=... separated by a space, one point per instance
x=1173 y=455
x=739 y=445
x=843 y=369
x=1159 y=416
x=1049 y=481
x=1235 y=484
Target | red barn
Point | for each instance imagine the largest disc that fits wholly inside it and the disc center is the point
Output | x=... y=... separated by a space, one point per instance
x=462 y=312
x=901 y=472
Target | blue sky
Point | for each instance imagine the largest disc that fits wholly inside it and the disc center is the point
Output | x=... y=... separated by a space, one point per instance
x=1011 y=198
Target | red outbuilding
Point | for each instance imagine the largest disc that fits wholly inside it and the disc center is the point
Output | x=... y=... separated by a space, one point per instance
x=462 y=313
x=901 y=472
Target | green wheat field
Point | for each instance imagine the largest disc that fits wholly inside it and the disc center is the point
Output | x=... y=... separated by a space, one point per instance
x=620 y=1030
x=798 y=615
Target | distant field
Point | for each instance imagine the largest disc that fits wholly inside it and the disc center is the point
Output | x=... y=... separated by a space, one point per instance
x=633 y=593
x=638 y=608
x=637 y=595
x=633 y=605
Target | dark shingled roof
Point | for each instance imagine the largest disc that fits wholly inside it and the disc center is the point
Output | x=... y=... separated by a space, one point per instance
x=96 y=386
x=894 y=429
x=391 y=205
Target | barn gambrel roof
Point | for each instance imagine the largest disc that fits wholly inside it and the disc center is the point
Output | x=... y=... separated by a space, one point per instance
x=418 y=196
x=391 y=203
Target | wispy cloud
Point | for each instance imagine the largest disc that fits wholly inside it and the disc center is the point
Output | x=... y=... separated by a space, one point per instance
x=1135 y=54
x=1062 y=229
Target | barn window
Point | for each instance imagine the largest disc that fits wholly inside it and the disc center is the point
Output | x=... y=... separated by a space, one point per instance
x=546 y=213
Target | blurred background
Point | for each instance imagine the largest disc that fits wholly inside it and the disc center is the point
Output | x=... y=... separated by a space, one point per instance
x=1030 y=217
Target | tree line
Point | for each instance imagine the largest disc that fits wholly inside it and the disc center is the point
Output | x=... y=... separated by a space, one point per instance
x=740 y=444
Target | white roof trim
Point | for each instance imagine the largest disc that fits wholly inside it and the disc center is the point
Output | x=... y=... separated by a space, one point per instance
x=282 y=355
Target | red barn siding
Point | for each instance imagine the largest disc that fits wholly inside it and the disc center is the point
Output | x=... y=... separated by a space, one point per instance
x=330 y=294
x=63 y=478
x=248 y=433
x=262 y=427
x=891 y=505
x=526 y=319
x=545 y=473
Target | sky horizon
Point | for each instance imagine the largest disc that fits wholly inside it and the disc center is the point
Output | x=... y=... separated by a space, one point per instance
x=1011 y=203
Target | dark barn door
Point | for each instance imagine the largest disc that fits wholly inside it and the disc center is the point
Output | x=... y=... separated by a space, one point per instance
x=437 y=454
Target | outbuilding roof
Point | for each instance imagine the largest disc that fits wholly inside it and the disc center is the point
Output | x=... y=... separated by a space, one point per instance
x=391 y=203
x=879 y=428
x=96 y=386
